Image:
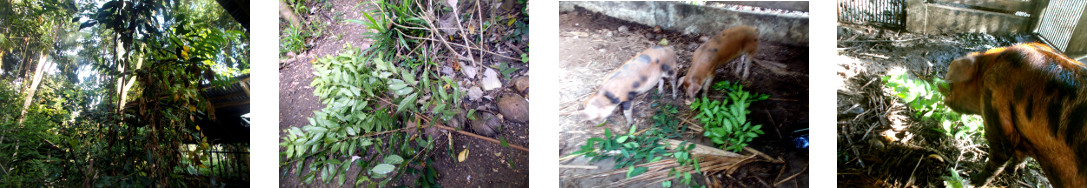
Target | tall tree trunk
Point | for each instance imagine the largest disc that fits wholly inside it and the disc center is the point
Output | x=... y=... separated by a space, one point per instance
x=34 y=86
x=128 y=85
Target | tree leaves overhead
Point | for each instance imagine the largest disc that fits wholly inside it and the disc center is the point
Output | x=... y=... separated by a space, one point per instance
x=75 y=130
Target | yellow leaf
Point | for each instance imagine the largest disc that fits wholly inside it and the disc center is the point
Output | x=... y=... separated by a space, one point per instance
x=185 y=52
x=197 y=128
x=192 y=108
x=471 y=29
x=463 y=155
x=510 y=23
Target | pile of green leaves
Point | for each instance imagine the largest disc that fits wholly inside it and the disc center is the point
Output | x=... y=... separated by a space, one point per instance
x=357 y=118
x=373 y=97
x=631 y=149
x=726 y=121
x=924 y=98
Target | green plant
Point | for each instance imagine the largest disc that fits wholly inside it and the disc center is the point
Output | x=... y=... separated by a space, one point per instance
x=684 y=158
x=374 y=98
x=924 y=98
x=631 y=149
x=294 y=41
x=953 y=181
x=726 y=121
x=505 y=69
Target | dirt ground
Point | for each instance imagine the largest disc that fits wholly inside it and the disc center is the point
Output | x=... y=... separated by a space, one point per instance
x=488 y=164
x=592 y=45
x=869 y=117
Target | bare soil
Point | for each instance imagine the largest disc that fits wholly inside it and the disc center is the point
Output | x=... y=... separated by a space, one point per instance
x=880 y=142
x=488 y=164
x=592 y=45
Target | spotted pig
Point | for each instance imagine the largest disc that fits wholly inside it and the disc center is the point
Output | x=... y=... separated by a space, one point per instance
x=639 y=74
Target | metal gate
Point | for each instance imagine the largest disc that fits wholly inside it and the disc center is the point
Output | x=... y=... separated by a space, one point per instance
x=1059 y=20
x=230 y=162
x=883 y=13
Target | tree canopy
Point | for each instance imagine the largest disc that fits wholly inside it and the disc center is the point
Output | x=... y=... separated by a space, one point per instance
x=112 y=89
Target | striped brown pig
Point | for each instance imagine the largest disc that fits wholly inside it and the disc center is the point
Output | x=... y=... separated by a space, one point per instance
x=1033 y=104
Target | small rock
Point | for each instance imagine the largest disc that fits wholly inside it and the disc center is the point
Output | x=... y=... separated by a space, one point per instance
x=623 y=29
x=446 y=70
x=457 y=121
x=513 y=107
x=468 y=71
x=608 y=34
x=490 y=80
x=486 y=124
x=704 y=38
x=603 y=50
x=474 y=93
x=692 y=47
x=521 y=84
x=649 y=36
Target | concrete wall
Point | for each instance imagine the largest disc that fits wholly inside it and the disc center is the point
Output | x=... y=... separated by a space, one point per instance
x=932 y=18
x=783 y=5
x=1006 y=5
x=693 y=19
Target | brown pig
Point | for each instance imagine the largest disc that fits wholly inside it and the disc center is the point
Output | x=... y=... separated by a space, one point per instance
x=740 y=41
x=1033 y=102
x=639 y=74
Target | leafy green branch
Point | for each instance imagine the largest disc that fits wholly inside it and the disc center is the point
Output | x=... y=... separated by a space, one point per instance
x=726 y=123
x=924 y=98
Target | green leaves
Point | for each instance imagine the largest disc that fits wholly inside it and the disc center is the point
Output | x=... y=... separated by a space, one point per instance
x=383 y=169
x=394 y=159
x=924 y=98
x=725 y=121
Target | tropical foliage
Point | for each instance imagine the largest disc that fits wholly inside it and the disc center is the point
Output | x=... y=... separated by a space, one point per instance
x=111 y=89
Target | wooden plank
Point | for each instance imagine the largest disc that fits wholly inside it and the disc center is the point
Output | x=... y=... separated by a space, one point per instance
x=1007 y=5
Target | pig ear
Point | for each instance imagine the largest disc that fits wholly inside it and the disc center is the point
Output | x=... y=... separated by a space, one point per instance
x=962 y=69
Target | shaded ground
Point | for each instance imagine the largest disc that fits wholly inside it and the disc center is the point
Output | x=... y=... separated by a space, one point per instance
x=488 y=164
x=880 y=143
x=592 y=45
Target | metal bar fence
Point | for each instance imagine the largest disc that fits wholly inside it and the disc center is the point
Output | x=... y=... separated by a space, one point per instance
x=882 y=13
x=1059 y=20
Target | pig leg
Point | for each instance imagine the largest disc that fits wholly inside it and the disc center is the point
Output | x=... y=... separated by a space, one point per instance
x=747 y=65
x=999 y=157
x=673 y=77
x=627 y=112
x=660 y=85
x=706 y=85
